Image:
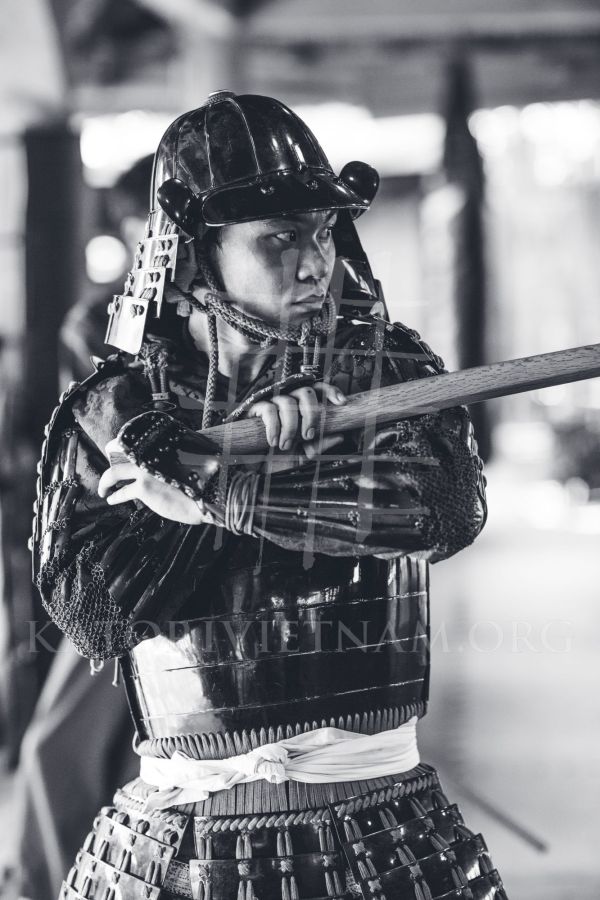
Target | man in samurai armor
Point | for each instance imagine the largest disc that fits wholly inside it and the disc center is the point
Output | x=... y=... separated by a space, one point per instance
x=269 y=610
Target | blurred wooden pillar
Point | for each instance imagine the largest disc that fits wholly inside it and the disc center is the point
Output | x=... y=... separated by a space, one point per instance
x=29 y=378
x=213 y=48
x=206 y=63
x=463 y=167
x=53 y=259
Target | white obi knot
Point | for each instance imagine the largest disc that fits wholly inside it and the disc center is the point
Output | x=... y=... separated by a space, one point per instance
x=266 y=762
x=321 y=756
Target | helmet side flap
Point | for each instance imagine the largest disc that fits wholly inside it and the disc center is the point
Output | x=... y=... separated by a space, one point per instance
x=156 y=255
x=154 y=262
x=360 y=293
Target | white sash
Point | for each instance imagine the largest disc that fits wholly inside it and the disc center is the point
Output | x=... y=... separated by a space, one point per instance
x=314 y=757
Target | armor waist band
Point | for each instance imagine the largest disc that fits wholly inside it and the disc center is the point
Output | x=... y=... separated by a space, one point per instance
x=321 y=756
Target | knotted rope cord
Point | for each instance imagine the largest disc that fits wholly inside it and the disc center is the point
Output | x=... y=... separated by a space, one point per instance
x=257 y=331
x=213 y=343
x=213 y=367
x=241 y=502
x=261 y=332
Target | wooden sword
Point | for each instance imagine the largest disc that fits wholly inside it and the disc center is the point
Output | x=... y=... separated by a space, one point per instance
x=425 y=395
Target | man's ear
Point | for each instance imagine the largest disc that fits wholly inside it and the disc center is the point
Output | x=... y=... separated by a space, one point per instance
x=208 y=245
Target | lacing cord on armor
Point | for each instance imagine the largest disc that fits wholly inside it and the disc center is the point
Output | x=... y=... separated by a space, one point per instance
x=241 y=502
x=257 y=331
x=155 y=359
x=322 y=756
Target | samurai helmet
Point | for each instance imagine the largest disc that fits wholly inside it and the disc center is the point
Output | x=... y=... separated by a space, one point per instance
x=235 y=159
x=240 y=158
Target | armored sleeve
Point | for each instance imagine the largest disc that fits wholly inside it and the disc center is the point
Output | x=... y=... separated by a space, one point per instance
x=105 y=571
x=416 y=487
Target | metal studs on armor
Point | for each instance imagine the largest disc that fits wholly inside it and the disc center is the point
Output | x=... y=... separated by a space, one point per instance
x=311 y=370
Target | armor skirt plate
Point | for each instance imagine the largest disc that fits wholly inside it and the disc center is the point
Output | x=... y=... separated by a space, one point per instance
x=395 y=838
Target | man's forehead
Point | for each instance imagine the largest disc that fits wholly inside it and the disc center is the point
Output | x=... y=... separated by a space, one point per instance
x=305 y=218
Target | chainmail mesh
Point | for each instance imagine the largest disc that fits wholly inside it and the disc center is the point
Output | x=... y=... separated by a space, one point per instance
x=454 y=490
x=78 y=600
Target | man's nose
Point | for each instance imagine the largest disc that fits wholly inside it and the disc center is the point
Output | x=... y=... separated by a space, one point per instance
x=312 y=263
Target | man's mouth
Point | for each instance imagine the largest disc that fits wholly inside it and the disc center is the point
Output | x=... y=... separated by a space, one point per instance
x=312 y=299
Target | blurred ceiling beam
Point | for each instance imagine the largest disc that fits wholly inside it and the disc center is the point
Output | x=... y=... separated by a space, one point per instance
x=389 y=80
x=389 y=56
x=340 y=21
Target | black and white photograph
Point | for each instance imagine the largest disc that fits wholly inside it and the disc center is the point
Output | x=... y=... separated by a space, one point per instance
x=300 y=450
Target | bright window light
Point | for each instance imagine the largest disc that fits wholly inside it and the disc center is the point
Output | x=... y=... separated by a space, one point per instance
x=106 y=259
x=562 y=139
x=110 y=144
x=394 y=145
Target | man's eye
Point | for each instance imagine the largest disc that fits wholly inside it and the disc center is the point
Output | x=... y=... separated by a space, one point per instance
x=288 y=236
x=326 y=233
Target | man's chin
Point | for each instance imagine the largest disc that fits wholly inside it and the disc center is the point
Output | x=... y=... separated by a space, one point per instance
x=304 y=310
x=292 y=315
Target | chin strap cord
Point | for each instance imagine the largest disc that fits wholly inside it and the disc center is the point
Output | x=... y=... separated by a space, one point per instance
x=258 y=332
x=213 y=367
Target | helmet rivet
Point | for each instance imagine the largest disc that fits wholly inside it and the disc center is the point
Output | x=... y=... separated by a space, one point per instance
x=267 y=189
x=312 y=185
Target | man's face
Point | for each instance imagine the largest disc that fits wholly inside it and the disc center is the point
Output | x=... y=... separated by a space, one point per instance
x=278 y=269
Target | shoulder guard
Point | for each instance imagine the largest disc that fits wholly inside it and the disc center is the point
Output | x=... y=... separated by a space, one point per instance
x=372 y=336
x=61 y=420
x=399 y=334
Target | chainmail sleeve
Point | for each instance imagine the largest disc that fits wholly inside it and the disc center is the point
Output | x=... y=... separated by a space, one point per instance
x=107 y=575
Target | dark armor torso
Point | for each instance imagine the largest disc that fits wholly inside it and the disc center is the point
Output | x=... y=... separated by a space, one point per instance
x=284 y=644
x=248 y=639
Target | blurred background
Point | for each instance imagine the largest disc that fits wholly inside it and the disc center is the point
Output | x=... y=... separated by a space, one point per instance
x=483 y=118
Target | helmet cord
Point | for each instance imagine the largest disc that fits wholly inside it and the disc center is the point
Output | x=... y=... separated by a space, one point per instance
x=257 y=331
